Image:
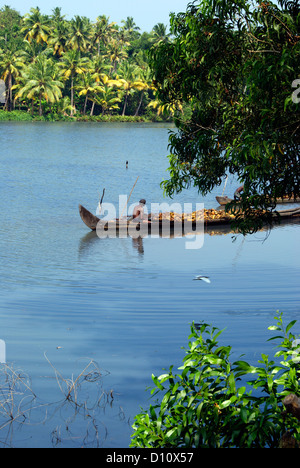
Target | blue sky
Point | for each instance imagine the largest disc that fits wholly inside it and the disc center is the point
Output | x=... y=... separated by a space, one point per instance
x=146 y=13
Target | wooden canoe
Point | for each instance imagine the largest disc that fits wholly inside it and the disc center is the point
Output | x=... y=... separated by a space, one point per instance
x=91 y=221
x=224 y=200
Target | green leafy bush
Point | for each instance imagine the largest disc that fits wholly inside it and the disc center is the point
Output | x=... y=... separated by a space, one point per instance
x=215 y=404
x=19 y=116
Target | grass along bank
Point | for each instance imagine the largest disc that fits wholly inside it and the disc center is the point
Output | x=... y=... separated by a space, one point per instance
x=23 y=116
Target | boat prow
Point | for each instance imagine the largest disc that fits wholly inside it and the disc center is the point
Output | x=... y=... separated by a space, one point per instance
x=223 y=200
x=88 y=218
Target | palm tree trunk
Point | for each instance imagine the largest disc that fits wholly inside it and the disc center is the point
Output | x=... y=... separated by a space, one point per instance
x=10 y=93
x=8 y=101
x=85 y=104
x=139 y=106
x=40 y=108
x=125 y=104
x=72 y=95
x=92 y=109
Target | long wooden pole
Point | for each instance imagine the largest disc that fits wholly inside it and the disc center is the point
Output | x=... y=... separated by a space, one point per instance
x=100 y=201
x=225 y=185
x=129 y=197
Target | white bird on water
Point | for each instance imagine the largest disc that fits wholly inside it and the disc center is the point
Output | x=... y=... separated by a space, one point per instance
x=202 y=278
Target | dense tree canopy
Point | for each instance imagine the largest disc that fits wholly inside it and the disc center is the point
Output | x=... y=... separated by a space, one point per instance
x=97 y=67
x=232 y=65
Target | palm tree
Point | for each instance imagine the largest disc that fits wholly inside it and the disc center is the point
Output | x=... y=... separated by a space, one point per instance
x=80 y=34
x=73 y=64
x=107 y=99
x=59 y=37
x=11 y=64
x=56 y=16
x=99 y=68
x=129 y=81
x=36 y=26
x=99 y=71
x=146 y=78
x=88 y=88
x=115 y=53
x=123 y=37
x=32 y=50
x=160 y=33
x=103 y=31
x=41 y=83
x=130 y=27
x=64 y=105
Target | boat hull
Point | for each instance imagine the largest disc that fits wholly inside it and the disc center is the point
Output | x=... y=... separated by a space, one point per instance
x=165 y=226
x=88 y=218
x=224 y=200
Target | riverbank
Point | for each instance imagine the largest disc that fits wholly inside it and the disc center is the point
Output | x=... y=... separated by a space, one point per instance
x=23 y=116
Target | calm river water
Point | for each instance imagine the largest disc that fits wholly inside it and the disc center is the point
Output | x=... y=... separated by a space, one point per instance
x=69 y=298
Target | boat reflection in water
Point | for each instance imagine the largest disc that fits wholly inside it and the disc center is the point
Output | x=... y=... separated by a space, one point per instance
x=171 y=224
x=194 y=232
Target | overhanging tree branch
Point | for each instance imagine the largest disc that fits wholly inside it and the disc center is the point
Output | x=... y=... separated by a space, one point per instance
x=239 y=114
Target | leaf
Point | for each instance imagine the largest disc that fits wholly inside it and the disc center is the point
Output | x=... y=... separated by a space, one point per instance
x=157 y=382
x=241 y=391
x=275 y=338
x=244 y=366
x=171 y=433
x=290 y=325
x=162 y=378
x=225 y=404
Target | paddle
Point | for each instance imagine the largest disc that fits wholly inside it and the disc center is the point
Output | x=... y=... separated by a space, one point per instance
x=100 y=202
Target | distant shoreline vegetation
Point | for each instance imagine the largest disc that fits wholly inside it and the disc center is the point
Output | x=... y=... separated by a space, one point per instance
x=57 y=69
x=23 y=116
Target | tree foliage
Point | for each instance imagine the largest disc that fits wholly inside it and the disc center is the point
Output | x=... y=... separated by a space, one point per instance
x=92 y=59
x=215 y=403
x=41 y=82
x=232 y=64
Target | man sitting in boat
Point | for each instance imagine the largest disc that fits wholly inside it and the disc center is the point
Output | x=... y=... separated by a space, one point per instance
x=237 y=193
x=138 y=212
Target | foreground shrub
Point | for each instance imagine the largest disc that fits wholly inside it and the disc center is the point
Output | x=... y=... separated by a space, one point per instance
x=19 y=116
x=213 y=403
